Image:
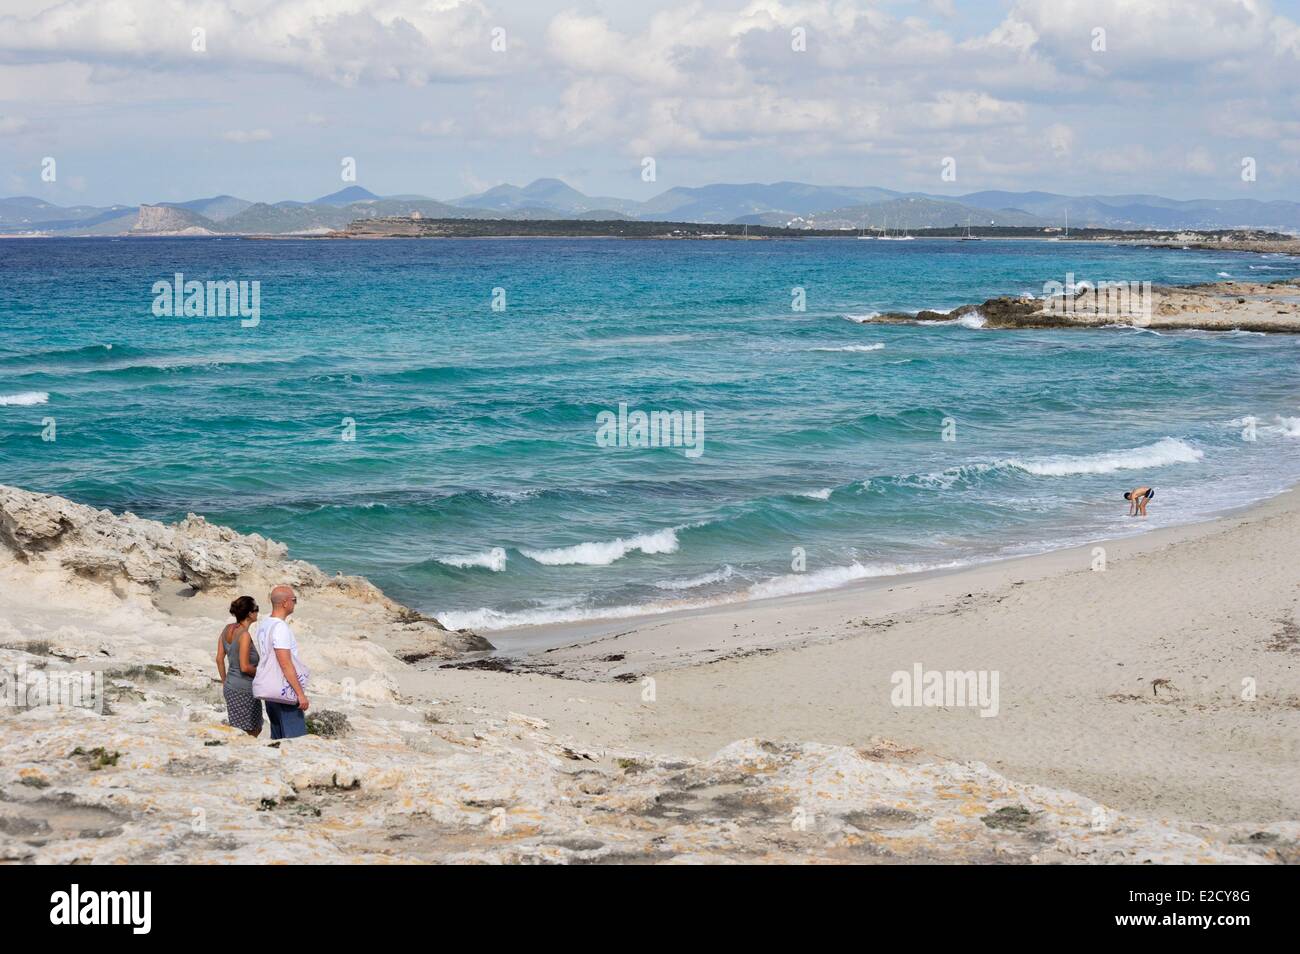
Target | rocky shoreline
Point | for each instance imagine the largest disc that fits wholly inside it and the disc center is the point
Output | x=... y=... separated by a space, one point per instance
x=196 y=562
x=1268 y=307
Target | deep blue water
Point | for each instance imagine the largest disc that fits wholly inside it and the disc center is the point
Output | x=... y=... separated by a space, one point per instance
x=475 y=430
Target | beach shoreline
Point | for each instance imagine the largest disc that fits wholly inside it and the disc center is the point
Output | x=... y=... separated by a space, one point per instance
x=1119 y=700
x=1154 y=643
x=526 y=640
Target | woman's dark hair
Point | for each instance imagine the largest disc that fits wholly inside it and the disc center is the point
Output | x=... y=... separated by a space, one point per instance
x=1127 y=496
x=243 y=608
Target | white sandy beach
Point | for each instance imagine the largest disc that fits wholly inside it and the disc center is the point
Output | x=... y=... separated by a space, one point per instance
x=1126 y=728
x=1078 y=651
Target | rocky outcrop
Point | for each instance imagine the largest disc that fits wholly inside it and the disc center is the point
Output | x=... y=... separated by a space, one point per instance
x=103 y=546
x=169 y=220
x=1221 y=306
x=145 y=557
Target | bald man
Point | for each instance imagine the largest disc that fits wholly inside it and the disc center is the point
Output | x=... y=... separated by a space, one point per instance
x=286 y=704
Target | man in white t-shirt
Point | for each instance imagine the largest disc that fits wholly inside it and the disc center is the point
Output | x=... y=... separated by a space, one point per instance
x=288 y=713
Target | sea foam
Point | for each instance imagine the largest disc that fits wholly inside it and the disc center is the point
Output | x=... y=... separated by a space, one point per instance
x=485 y=618
x=1289 y=426
x=828 y=578
x=1167 y=450
x=823 y=494
x=606 y=552
x=493 y=559
x=694 y=582
x=868 y=347
x=24 y=399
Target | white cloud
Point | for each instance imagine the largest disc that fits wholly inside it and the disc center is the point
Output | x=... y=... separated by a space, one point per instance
x=347 y=41
x=1199 y=161
x=1060 y=140
x=1143 y=36
x=879 y=94
x=443 y=127
x=51 y=83
x=716 y=81
x=956 y=109
x=1127 y=160
x=247 y=135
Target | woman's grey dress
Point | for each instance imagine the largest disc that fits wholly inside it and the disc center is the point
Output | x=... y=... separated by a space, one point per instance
x=243 y=710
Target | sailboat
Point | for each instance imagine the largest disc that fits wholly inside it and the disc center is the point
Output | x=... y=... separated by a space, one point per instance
x=893 y=238
x=863 y=234
x=968 y=237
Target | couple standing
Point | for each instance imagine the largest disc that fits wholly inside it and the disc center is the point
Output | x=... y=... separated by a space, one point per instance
x=258 y=663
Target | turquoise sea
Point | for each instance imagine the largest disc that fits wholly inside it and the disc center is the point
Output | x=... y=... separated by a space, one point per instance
x=474 y=487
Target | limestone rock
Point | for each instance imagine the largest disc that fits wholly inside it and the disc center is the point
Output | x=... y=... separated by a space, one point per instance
x=132 y=555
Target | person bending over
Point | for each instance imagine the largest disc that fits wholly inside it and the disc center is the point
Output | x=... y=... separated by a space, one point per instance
x=1137 y=501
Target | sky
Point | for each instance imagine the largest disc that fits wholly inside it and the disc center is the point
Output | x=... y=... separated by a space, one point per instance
x=167 y=100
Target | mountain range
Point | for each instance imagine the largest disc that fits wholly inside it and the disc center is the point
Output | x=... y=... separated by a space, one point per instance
x=789 y=204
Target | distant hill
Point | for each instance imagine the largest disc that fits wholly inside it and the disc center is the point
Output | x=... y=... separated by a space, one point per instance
x=22 y=213
x=551 y=195
x=603 y=215
x=914 y=212
x=263 y=219
x=118 y=220
x=171 y=220
x=779 y=204
x=1144 y=211
x=218 y=208
x=727 y=203
x=429 y=208
x=909 y=212
x=345 y=197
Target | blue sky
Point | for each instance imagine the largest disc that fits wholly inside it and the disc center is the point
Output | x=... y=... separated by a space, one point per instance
x=1168 y=97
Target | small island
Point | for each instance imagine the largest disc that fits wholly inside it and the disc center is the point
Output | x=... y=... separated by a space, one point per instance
x=416 y=226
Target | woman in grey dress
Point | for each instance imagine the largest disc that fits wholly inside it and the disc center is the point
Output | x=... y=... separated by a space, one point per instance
x=237 y=660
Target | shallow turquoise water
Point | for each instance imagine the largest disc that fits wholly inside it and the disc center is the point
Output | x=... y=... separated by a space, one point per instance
x=475 y=430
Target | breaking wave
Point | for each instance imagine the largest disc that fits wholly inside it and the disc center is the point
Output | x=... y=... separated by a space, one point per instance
x=1167 y=450
x=494 y=560
x=694 y=582
x=869 y=347
x=24 y=399
x=605 y=553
